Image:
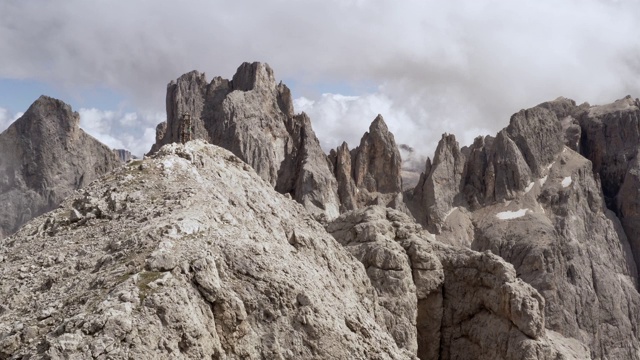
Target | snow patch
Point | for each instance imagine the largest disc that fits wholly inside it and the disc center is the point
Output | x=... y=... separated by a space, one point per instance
x=508 y=215
x=543 y=180
x=529 y=187
x=450 y=212
x=566 y=181
x=550 y=166
x=168 y=163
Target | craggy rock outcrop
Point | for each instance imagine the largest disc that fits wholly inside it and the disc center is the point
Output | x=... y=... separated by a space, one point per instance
x=611 y=140
x=370 y=173
x=439 y=185
x=448 y=302
x=564 y=242
x=347 y=190
x=529 y=198
x=252 y=116
x=123 y=155
x=45 y=157
x=377 y=162
x=185 y=255
x=538 y=134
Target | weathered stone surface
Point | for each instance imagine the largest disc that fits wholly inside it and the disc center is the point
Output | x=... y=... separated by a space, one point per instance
x=187 y=254
x=45 y=157
x=565 y=243
x=448 y=302
x=370 y=174
x=610 y=140
x=538 y=205
x=537 y=132
x=377 y=162
x=340 y=159
x=252 y=116
x=437 y=189
x=124 y=155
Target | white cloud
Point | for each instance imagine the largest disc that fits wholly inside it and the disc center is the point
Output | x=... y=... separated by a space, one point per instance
x=105 y=126
x=6 y=118
x=460 y=66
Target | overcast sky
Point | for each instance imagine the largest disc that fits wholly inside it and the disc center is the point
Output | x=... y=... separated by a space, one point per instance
x=428 y=67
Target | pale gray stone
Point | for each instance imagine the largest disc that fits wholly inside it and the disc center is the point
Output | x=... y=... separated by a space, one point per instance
x=45 y=157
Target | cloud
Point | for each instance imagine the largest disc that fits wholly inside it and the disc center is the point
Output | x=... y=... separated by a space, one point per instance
x=106 y=126
x=461 y=66
x=6 y=118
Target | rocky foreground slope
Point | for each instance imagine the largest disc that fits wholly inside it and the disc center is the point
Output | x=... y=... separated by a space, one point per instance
x=190 y=254
x=45 y=156
x=185 y=255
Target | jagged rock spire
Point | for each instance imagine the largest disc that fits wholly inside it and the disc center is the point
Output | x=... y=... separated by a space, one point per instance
x=252 y=116
x=370 y=173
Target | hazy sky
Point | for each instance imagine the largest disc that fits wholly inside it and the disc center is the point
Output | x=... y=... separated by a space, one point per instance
x=428 y=67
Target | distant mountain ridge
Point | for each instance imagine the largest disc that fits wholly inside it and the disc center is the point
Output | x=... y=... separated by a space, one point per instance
x=523 y=245
x=45 y=157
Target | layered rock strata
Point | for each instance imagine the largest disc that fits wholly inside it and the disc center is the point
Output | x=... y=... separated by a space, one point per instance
x=45 y=157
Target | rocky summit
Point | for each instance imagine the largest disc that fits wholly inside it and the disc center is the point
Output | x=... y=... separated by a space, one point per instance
x=45 y=156
x=237 y=237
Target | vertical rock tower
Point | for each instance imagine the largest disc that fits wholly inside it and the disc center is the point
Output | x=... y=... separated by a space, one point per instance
x=253 y=117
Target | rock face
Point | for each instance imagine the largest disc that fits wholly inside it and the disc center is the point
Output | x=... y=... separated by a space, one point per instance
x=370 y=173
x=252 y=116
x=123 y=155
x=440 y=183
x=188 y=254
x=45 y=156
x=446 y=302
x=526 y=196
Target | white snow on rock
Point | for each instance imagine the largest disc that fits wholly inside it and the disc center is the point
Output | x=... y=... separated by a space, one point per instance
x=450 y=212
x=550 y=166
x=543 y=180
x=566 y=181
x=529 y=187
x=508 y=215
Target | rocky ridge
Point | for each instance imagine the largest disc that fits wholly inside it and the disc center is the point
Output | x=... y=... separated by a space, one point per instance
x=529 y=198
x=221 y=266
x=535 y=237
x=45 y=157
x=445 y=302
x=253 y=117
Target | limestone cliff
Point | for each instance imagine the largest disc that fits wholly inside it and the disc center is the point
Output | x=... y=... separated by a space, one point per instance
x=371 y=173
x=45 y=157
x=526 y=196
x=252 y=116
x=445 y=302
